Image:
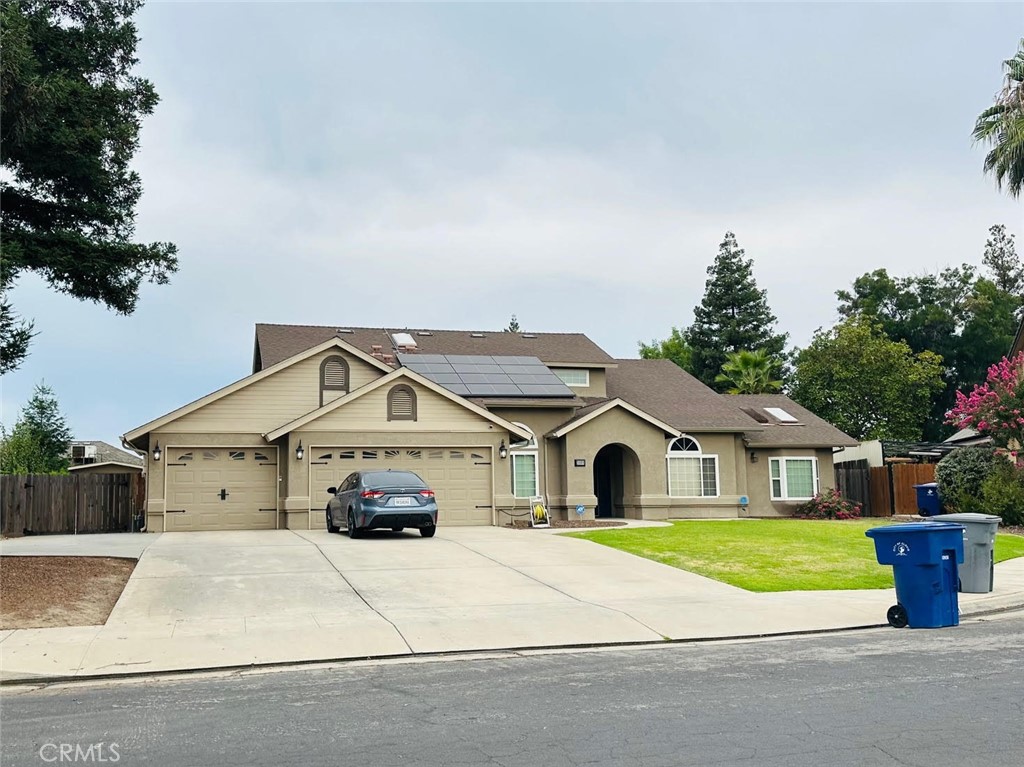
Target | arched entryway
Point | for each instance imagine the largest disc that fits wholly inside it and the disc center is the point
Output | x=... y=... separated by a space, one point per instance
x=616 y=480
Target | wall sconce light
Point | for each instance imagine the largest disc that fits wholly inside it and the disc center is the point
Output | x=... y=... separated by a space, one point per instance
x=156 y=451
x=753 y=457
x=502 y=451
x=299 y=452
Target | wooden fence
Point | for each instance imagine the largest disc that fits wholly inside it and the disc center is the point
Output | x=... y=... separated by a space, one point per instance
x=883 y=490
x=35 y=504
x=853 y=481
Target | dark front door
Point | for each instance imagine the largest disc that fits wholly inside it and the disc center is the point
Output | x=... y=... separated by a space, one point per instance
x=608 y=481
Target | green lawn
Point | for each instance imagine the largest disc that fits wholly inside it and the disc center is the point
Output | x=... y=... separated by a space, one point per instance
x=772 y=554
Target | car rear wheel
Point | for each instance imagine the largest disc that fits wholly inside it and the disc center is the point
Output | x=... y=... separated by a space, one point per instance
x=331 y=527
x=353 y=531
x=428 y=532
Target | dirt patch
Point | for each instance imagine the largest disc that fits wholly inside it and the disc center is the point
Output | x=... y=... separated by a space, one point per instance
x=525 y=525
x=45 y=592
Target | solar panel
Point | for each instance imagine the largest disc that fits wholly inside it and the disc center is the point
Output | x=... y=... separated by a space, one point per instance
x=474 y=375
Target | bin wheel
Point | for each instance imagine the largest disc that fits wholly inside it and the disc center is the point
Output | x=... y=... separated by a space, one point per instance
x=897 y=616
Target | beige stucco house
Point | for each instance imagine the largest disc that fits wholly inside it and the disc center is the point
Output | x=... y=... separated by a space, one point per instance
x=489 y=419
x=96 y=457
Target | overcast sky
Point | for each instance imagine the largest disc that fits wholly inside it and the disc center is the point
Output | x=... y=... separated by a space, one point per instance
x=445 y=166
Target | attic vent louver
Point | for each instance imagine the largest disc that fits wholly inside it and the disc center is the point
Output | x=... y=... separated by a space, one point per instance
x=529 y=335
x=344 y=330
x=424 y=333
x=476 y=335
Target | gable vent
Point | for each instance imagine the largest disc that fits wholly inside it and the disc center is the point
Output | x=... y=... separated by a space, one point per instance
x=401 y=404
x=335 y=375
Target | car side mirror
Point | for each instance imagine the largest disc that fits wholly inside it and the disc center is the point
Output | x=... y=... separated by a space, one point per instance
x=332 y=490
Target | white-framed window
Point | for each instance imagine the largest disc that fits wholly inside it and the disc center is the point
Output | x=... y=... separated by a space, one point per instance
x=578 y=377
x=523 y=455
x=691 y=473
x=793 y=479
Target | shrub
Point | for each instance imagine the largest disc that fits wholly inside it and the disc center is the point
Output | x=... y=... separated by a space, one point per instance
x=828 y=504
x=1002 y=493
x=961 y=474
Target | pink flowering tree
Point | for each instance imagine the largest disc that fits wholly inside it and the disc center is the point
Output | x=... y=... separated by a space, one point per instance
x=996 y=407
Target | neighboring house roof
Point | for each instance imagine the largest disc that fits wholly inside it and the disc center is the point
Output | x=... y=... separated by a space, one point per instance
x=275 y=343
x=589 y=413
x=665 y=391
x=330 y=343
x=968 y=437
x=400 y=373
x=105 y=453
x=105 y=463
x=808 y=431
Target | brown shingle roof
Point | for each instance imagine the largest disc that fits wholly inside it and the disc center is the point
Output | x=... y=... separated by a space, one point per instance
x=275 y=343
x=670 y=394
x=809 y=431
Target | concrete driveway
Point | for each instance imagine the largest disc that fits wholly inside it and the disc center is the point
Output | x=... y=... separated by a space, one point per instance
x=207 y=600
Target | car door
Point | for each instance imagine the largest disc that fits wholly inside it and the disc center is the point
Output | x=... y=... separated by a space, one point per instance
x=345 y=496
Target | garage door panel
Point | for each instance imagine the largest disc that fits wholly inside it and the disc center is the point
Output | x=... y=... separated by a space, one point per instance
x=247 y=477
x=460 y=477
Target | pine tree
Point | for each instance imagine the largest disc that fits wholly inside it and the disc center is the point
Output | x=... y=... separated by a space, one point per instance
x=40 y=439
x=1002 y=261
x=733 y=316
x=513 y=325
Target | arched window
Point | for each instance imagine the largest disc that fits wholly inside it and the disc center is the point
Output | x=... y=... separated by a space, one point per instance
x=333 y=377
x=401 y=403
x=524 y=466
x=691 y=473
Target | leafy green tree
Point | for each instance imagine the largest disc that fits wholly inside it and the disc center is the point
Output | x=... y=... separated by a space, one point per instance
x=732 y=316
x=40 y=440
x=866 y=384
x=958 y=314
x=748 y=372
x=513 y=325
x=672 y=348
x=1002 y=127
x=70 y=113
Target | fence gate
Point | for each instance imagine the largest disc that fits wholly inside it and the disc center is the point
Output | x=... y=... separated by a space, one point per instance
x=853 y=481
x=69 y=503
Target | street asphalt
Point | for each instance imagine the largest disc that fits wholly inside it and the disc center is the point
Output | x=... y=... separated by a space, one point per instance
x=874 y=697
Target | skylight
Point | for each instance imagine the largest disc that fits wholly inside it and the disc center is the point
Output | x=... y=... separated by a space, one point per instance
x=780 y=414
x=403 y=339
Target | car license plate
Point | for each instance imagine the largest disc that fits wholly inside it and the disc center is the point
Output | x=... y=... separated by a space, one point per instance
x=403 y=501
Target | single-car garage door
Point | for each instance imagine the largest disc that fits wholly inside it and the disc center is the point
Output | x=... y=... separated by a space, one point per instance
x=221 y=489
x=460 y=477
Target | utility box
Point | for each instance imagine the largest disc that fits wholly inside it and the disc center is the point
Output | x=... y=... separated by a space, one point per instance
x=925 y=558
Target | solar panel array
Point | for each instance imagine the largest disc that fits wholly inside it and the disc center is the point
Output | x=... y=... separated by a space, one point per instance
x=482 y=376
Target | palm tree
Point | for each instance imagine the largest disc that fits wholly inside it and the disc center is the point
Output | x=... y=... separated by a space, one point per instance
x=749 y=373
x=1002 y=126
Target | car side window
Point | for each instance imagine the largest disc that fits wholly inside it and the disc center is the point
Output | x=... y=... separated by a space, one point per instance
x=349 y=483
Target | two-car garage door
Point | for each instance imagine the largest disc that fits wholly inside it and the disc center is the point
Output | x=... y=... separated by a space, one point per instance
x=221 y=489
x=459 y=476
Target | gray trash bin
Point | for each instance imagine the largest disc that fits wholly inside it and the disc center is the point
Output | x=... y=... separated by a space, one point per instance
x=979 y=557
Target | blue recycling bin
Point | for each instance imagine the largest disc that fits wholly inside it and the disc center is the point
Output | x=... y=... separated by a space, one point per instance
x=924 y=559
x=929 y=504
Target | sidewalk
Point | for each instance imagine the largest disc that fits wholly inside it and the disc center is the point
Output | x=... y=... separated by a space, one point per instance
x=242 y=600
